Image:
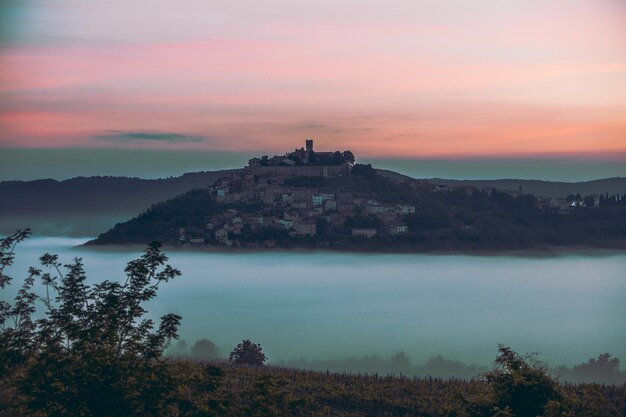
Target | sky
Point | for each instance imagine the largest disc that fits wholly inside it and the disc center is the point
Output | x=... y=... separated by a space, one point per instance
x=422 y=79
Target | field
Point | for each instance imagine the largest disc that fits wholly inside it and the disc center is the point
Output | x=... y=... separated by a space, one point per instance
x=224 y=390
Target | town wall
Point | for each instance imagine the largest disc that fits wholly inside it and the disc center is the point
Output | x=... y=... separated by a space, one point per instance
x=308 y=170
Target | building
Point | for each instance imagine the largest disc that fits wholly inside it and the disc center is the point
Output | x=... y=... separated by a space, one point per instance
x=221 y=235
x=306 y=229
x=396 y=229
x=363 y=232
x=303 y=161
x=405 y=209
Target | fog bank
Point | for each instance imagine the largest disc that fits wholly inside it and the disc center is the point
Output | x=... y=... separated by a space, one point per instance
x=315 y=307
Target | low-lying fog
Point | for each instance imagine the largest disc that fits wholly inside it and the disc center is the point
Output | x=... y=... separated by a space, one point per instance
x=318 y=308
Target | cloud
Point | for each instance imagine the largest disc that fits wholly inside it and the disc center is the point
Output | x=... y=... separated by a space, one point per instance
x=312 y=126
x=125 y=137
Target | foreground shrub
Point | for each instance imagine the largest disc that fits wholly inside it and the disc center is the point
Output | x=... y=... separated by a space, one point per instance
x=93 y=352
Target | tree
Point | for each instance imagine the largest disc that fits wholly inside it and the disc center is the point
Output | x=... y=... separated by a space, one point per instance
x=589 y=201
x=362 y=170
x=247 y=353
x=603 y=369
x=93 y=353
x=321 y=226
x=204 y=349
x=348 y=157
x=521 y=385
x=427 y=220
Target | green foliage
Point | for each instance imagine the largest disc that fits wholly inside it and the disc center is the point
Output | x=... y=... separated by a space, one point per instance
x=247 y=353
x=363 y=170
x=348 y=156
x=93 y=352
x=603 y=369
x=521 y=387
x=363 y=221
x=428 y=220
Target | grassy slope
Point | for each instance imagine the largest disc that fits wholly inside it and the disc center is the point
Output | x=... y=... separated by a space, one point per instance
x=244 y=390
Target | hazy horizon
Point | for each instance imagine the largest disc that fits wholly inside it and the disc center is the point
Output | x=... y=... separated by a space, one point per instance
x=63 y=163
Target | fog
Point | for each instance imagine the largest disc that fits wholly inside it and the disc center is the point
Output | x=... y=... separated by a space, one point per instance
x=350 y=311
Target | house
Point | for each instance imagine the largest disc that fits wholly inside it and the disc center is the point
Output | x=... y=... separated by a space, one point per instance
x=388 y=216
x=291 y=215
x=405 y=209
x=287 y=224
x=221 y=193
x=317 y=199
x=221 y=235
x=330 y=205
x=363 y=232
x=396 y=229
x=305 y=229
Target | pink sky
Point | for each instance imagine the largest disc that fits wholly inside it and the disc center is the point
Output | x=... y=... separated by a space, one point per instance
x=397 y=78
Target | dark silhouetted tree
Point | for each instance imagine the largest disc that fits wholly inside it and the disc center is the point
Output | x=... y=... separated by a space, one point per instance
x=603 y=369
x=247 y=353
x=521 y=385
x=93 y=353
x=348 y=157
x=362 y=170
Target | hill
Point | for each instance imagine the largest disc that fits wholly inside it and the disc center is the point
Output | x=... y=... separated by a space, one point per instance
x=368 y=210
x=543 y=188
x=85 y=206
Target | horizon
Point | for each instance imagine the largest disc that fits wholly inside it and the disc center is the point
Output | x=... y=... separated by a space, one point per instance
x=26 y=164
x=417 y=80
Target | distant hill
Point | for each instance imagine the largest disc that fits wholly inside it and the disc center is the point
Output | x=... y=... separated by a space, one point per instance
x=538 y=188
x=85 y=206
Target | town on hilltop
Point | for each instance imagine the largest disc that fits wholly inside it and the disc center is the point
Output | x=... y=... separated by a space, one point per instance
x=307 y=198
x=292 y=198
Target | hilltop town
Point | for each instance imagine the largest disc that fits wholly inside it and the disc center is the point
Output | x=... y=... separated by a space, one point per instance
x=307 y=198
x=295 y=198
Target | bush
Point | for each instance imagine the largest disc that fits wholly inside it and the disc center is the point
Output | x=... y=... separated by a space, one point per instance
x=93 y=353
x=521 y=385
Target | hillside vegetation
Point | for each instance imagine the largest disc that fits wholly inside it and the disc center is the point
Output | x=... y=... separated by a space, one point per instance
x=452 y=219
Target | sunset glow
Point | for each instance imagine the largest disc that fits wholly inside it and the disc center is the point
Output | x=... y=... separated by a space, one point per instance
x=388 y=79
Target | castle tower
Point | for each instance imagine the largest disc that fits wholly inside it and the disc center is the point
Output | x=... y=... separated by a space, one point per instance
x=309 y=145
